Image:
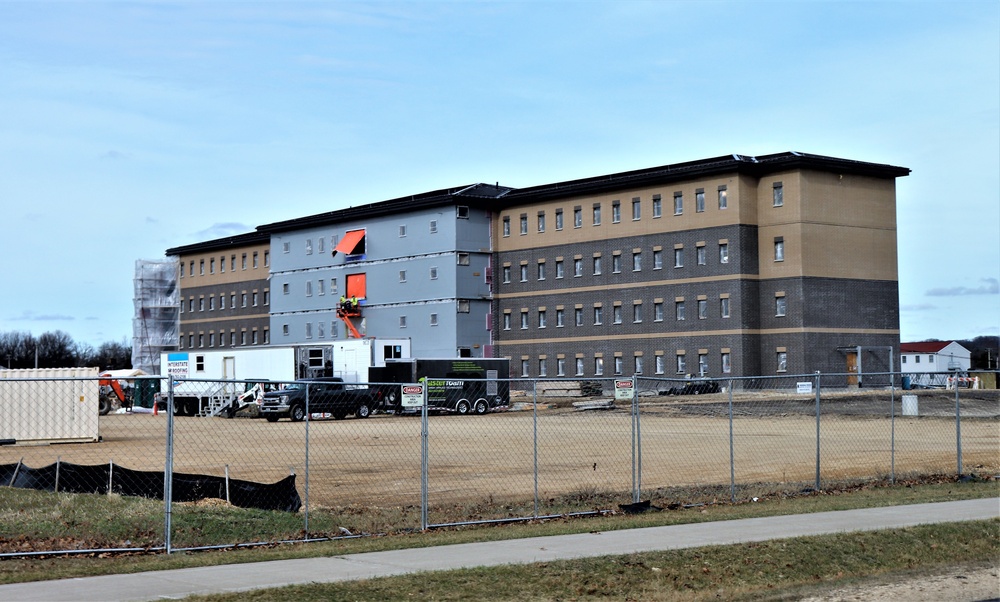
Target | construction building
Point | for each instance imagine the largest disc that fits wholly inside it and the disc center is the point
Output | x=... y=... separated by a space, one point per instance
x=734 y=265
x=224 y=292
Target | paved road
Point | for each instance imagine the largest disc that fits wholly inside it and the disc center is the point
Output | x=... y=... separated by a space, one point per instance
x=174 y=584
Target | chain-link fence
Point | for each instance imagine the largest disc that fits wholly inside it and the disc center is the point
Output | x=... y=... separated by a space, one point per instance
x=245 y=463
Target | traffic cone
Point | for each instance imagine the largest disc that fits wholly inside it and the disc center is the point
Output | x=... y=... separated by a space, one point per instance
x=156 y=408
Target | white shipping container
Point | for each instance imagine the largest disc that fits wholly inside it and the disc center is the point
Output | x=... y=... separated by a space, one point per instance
x=49 y=405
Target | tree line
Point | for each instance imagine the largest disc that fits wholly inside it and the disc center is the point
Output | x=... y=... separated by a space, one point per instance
x=59 y=350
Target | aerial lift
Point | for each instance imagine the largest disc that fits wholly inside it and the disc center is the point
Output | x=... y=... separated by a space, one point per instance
x=350 y=308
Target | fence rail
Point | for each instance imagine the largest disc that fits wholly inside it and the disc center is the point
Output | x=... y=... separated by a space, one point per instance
x=556 y=447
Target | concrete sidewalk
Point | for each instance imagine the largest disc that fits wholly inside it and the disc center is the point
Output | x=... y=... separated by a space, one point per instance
x=174 y=584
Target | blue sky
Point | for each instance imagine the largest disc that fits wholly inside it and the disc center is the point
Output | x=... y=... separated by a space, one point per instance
x=129 y=128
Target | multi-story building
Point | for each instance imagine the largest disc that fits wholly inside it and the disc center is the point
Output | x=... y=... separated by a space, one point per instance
x=735 y=265
x=224 y=292
x=419 y=266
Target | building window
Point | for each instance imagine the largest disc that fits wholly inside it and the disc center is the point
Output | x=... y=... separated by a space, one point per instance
x=201 y=304
x=524 y=319
x=598 y=315
x=560 y=318
x=782 y=361
x=616 y=212
x=681 y=364
x=232 y=301
x=506 y=321
x=211 y=304
x=658 y=311
x=578 y=267
x=619 y=364
x=309 y=288
x=700 y=252
x=243 y=261
x=702 y=309
x=286 y=247
x=616 y=314
x=559 y=268
x=255 y=263
x=433 y=226
x=678 y=258
x=638 y=364
x=779 y=249
x=541 y=271
x=657 y=206
x=679 y=310
x=636 y=209
x=726 y=366
x=723 y=198
x=309 y=246
x=577 y=217
x=253 y=298
x=779 y=195
x=723 y=252
x=243 y=299
x=506 y=274
x=222 y=302
x=524 y=224
x=678 y=203
x=559 y=219
x=191 y=272
x=402 y=230
x=333 y=286
x=636 y=261
x=462 y=212
x=699 y=200
x=463 y=259
x=506 y=226
x=779 y=307
x=232 y=336
x=402 y=275
x=211 y=270
x=616 y=263
x=267 y=297
x=597 y=266
x=434 y=319
x=579 y=366
x=524 y=368
x=657 y=259
x=578 y=316
x=541 y=318
x=211 y=339
x=597 y=214
x=542 y=370
x=560 y=366
x=243 y=337
x=464 y=306
x=541 y=221
x=201 y=267
x=524 y=273
x=724 y=307
x=598 y=366
x=636 y=313
x=916 y=359
x=702 y=364
x=267 y=263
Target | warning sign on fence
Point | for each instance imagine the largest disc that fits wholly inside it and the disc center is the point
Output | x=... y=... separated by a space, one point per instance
x=412 y=395
x=624 y=389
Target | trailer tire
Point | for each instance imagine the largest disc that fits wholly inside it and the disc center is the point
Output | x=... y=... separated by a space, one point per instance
x=339 y=415
x=463 y=407
x=482 y=407
x=104 y=406
x=364 y=411
x=297 y=413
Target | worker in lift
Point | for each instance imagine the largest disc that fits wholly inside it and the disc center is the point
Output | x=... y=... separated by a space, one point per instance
x=345 y=304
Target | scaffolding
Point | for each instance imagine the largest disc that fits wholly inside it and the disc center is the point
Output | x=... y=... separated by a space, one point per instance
x=156 y=326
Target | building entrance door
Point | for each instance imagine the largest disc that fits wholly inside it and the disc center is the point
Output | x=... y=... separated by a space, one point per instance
x=852 y=368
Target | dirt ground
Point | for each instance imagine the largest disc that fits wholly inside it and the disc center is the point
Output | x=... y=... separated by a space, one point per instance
x=684 y=441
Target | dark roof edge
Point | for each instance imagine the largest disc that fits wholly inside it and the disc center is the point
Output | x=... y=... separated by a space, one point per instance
x=478 y=195
x=227 y=242
x=756 y=166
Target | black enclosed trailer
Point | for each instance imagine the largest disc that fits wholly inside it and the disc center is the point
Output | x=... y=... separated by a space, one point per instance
x=463 y=385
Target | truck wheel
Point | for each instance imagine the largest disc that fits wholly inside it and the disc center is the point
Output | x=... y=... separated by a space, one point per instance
x=271 y=418
x=297 y=413
x=104 y=406
x=462 y=407
x=482 y=407
x=339 y=415
x=363 y=411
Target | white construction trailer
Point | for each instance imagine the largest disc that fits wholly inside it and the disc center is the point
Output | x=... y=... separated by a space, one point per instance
x=223 y=381
x=49 y=405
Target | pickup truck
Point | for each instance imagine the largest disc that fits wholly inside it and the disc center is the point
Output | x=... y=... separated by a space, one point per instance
x=326 y=396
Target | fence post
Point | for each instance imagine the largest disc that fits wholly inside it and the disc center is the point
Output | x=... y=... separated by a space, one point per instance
x=958 y=428
x=424 y=464
x=305 y=526
x=892 y=422
x=816 y=379
x=168 y=467
x=534 y=419
x=637 y=443
x=732 y=451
